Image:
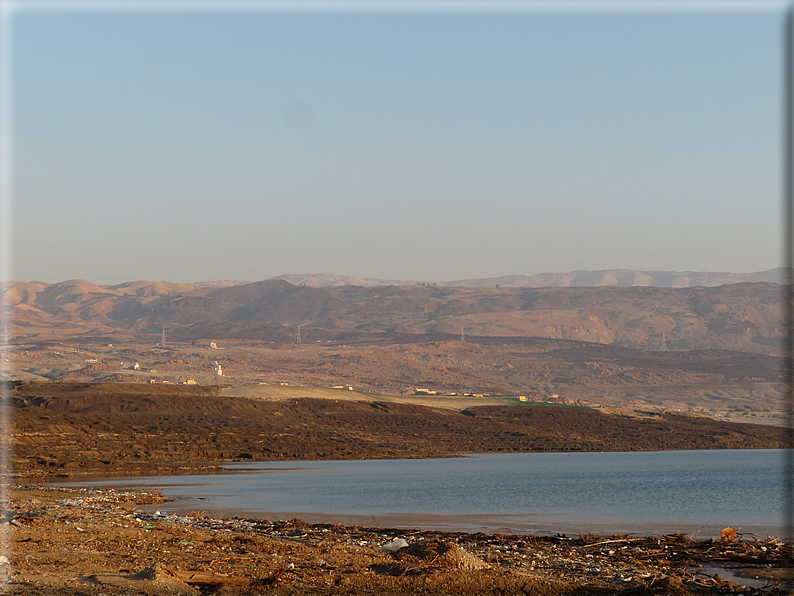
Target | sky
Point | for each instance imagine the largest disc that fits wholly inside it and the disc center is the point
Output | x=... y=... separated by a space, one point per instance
x=411 y=143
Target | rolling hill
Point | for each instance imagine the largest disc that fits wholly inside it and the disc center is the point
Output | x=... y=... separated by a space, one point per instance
x=742 y=316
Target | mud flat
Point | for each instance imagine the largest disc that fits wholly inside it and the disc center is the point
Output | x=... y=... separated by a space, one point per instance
x=91 y=541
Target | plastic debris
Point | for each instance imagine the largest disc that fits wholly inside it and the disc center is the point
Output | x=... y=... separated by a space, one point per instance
x=394 y=545
x=626 y=562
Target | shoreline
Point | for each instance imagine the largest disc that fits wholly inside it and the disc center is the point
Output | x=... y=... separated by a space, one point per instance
x=221 y=466
x=92 y=541
x=542 y=513
x=65 y=428
x=465 y=523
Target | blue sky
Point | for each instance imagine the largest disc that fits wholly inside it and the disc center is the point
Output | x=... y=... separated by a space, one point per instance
x=424 y=145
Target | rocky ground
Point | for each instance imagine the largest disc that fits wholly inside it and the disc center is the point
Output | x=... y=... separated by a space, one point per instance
x=93 y=542
x=71 y=542
x=63 y=428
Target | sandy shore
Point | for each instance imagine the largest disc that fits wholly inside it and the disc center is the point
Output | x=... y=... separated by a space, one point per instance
x=92 y=541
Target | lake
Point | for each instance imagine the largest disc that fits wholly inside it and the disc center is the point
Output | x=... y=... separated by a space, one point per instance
x=694 y=492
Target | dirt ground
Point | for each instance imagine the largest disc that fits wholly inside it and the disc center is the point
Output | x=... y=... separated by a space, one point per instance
x=62 y=428
x=734 y=386
x=275 y=392
x=93 y=542
x=70 y=542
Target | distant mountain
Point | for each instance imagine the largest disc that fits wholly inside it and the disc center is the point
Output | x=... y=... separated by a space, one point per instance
x=217 y=283
x=739 y=316
x=623 y=278
x=323 y=280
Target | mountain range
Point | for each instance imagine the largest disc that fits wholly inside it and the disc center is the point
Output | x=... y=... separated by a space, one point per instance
x=606 y=277
x=736 y=316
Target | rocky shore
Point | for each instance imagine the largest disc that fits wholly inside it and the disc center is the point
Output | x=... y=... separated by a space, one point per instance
x=97 y=541
x=68 y=428
x=75 y=541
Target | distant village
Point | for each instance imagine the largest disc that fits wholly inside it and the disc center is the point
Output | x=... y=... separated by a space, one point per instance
x=206 y=362
x=157 y=370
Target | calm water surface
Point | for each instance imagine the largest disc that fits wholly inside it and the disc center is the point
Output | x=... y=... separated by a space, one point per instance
x=657 y=492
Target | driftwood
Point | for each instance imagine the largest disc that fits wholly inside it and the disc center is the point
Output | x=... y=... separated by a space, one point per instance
x=159 y=572
x=209 y=578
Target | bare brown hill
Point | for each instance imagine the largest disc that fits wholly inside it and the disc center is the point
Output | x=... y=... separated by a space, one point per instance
x=744 y=317
x=81 y=426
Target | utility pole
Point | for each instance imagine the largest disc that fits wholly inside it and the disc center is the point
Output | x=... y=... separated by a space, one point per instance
x=299 y=334
x=664 y=342
x=462 y=335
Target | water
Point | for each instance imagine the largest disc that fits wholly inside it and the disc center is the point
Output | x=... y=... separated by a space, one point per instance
x=695 y=492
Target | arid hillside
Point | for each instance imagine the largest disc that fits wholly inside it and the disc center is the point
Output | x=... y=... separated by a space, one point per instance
x=68 y=427
x=744 y=317
x=724 y=384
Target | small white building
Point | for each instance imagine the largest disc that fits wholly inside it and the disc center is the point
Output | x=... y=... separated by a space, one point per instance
x=217 y=370
x=424 y=391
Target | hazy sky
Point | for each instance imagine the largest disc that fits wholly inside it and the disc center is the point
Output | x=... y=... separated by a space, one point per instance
x=411 y=144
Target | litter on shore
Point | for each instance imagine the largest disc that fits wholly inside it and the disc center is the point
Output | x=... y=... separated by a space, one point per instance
x=92 y=541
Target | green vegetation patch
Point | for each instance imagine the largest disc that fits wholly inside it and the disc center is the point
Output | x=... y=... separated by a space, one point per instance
x=514 y=401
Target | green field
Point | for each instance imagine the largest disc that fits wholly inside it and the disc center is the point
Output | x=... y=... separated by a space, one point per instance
x=514 y=401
